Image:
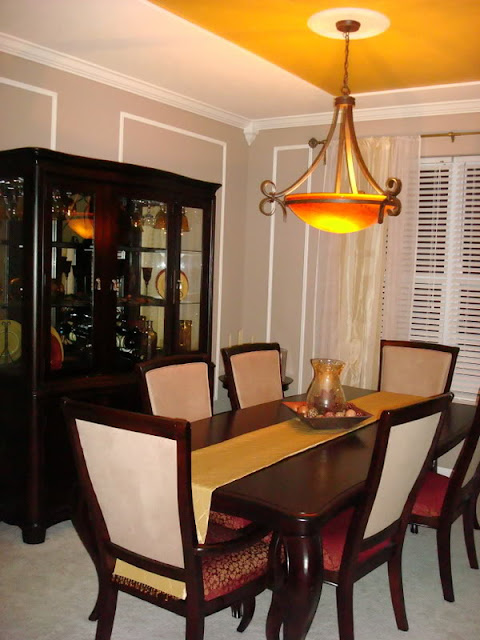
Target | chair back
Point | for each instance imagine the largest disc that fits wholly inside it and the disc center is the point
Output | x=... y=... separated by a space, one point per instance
x=411 y=433
x=253 y=373
x=134 y=472
x=417 y=368
x=465 y=478
x=177 y=386
x=404 y=447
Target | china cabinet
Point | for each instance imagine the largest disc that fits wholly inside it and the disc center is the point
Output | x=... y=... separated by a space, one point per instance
x=102 y=264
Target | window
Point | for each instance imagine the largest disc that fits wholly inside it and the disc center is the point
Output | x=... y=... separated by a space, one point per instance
x=446 y=296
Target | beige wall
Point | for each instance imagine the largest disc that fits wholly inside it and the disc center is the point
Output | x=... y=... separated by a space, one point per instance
x=267 y=272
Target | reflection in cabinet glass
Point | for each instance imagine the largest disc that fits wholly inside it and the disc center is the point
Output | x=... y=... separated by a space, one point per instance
x=103 y=264
x=11 y=271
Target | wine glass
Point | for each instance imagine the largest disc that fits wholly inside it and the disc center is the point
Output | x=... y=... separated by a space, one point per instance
x=147 y=274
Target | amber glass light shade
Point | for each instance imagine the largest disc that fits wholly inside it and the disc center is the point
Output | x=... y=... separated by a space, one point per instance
x=336 y=212
x=81 y=224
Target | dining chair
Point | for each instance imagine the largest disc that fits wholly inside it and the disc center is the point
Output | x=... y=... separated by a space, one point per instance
x=135 y=471
x=441 y=500
x=179 y=386
x=361 y=538
x=253 y=373
x=414 y=367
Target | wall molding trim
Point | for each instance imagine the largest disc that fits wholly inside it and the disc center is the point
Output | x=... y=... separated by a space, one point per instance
x=71 y=64
x=45 y=92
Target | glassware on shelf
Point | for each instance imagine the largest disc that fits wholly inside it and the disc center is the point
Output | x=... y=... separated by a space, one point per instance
x=60 y=204
x=148 y=219
x=185 y=225
x=325 y=394
x=64 y=266
x=161 y=218
x=147 y=275
x=11 y=196
x=136 y=218
x=5 y=355
x=148 y=341
x=185 y=336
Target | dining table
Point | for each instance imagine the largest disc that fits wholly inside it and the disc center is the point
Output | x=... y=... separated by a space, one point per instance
x=297 y=495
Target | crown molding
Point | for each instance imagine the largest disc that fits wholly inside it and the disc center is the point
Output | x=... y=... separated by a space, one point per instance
x=419 y=110
x=97 y=73
x=91 y=71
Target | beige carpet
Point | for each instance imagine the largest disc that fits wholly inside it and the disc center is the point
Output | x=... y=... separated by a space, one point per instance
x=47 y=591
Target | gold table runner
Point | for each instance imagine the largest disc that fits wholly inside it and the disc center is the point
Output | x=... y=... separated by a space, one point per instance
x=222 y=463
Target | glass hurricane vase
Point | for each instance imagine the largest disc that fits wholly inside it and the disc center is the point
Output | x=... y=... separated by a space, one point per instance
x=325 y=394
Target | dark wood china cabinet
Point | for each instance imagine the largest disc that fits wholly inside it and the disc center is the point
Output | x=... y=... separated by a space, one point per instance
x=102 y=264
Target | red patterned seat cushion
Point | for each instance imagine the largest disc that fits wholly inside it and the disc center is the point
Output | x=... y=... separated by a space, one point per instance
x=334 y=534
x=430 y=498
x=224 y=573
x=231 y=522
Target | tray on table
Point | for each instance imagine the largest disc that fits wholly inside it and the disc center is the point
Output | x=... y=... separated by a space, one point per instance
x=333 y=422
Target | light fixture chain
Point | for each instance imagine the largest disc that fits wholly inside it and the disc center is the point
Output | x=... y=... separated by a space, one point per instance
x=346 y=88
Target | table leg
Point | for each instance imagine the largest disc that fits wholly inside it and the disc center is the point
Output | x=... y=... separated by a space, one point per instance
x=295 y=601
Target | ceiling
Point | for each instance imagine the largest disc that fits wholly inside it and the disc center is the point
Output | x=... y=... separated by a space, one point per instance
x=428 y=42
x=252 y=60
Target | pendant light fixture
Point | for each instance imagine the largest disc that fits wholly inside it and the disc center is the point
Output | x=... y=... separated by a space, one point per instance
x=338 y=212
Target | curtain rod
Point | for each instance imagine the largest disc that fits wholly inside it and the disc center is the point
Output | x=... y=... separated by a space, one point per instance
x=313 y=142
x=451 y=134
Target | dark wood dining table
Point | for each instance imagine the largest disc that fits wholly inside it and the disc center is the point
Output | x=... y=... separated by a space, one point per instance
x=299 y=494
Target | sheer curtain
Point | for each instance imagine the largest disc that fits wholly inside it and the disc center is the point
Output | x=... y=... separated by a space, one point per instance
x=367 y=275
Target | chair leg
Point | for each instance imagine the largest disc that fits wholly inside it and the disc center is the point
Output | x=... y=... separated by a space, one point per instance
x=95 y=613
x=107 y=613
x=83 y=527
x=236 y=610
x=414 y=527
x=195 y=626
x=345 y=610
x=248 y=609
x=445 y=562
x=396 y=590
x=468 y=525
x=275 y=615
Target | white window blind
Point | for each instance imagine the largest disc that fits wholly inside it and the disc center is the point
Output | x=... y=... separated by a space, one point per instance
x=446 y=297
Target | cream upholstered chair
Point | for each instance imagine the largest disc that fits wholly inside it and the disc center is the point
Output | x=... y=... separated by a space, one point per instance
x=180 y=386
x=441 y=500
x=135 y=473
x=177 y=386
x=417 y=368
x=253 y=373
x=362 y=538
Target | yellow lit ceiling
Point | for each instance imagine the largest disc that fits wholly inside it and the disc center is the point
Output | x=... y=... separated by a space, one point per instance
x=429 y=42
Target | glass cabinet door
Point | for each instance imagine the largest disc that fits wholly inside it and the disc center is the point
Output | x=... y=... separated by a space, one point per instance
x=72 y=277
x=141 y=282
x=11 y=273
x=189 y=279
